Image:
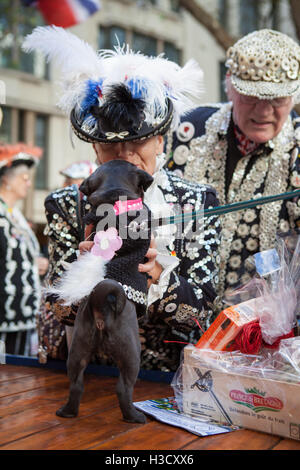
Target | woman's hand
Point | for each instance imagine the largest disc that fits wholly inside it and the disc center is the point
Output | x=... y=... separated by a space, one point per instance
x=151 y=267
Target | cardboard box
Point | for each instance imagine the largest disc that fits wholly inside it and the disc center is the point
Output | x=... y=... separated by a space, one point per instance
x=261 y=404
x=227 y=326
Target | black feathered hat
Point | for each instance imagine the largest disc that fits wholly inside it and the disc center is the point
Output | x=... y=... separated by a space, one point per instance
x=120 y=118
x=117 y=95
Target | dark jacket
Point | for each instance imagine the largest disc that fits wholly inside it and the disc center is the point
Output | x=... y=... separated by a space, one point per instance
x=191 y=288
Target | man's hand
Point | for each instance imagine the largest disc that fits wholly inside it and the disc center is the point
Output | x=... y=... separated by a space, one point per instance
x=151 y=267
x=85 y=246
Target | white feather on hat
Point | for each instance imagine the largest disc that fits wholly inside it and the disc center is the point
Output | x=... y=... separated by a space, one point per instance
x=153 y=78
x=75 y=58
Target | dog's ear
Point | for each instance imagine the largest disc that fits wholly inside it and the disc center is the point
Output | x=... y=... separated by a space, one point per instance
x=145 y=179
x=84 y=187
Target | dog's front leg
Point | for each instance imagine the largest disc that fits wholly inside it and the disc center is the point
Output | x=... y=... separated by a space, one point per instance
x=78 y=359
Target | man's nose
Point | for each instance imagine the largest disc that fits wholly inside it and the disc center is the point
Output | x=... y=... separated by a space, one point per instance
x=264 y=106
x=124 y=150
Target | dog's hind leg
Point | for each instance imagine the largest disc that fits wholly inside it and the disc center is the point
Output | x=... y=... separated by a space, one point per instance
x=125 y=387
x=76 y=370
x=116 y=317
x=79 y=357
x=127 y=354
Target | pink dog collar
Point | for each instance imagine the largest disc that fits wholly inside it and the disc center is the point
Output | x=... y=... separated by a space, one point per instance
x=130 y=205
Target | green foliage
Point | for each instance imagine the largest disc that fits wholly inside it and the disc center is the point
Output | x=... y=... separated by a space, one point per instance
x=16 y=21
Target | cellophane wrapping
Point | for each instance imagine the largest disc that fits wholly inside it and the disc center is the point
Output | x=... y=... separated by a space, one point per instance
x=276 y=286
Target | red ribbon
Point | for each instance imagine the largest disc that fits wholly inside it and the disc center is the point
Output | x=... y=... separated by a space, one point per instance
x=249 y=340
x=276 y=343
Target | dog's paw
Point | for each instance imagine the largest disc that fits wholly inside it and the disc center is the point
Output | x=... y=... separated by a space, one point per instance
x=65 y=412
x=136 y=417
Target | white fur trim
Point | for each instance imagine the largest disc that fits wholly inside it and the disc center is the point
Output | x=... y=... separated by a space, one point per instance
x=79 y=279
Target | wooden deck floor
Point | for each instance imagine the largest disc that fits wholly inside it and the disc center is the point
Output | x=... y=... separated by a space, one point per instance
x=29 y=397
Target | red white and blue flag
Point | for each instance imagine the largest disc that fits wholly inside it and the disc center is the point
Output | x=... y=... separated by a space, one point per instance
x=65 y=13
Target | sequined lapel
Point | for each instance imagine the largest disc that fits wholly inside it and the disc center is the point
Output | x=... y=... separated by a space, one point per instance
x=268 y=175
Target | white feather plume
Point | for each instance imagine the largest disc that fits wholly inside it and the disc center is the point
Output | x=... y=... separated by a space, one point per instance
x=184 y=85
x=79 y=279
x=79 y=63
x=75 y=58
x=187 y=86
x=73 y=55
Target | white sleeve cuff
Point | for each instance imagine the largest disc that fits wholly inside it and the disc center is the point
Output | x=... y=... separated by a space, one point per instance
x=156 y=291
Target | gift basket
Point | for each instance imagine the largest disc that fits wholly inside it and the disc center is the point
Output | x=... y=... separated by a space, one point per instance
x=245 y=369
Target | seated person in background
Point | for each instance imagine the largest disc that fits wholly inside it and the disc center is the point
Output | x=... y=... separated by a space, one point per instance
x=127 y=103
x=247 y=148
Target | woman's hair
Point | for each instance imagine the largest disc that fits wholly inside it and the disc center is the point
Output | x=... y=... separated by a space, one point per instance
x=11 y=172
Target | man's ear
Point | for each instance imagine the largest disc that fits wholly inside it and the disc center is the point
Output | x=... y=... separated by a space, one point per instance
x=97 y=150
x=228 y=87
x=4 y=180
x=159 y=145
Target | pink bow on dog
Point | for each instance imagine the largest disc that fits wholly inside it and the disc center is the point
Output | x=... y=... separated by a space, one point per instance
x=106 y=243
x=128 y=205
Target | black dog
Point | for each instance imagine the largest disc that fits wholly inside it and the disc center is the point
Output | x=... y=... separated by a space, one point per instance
x=107 y=320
